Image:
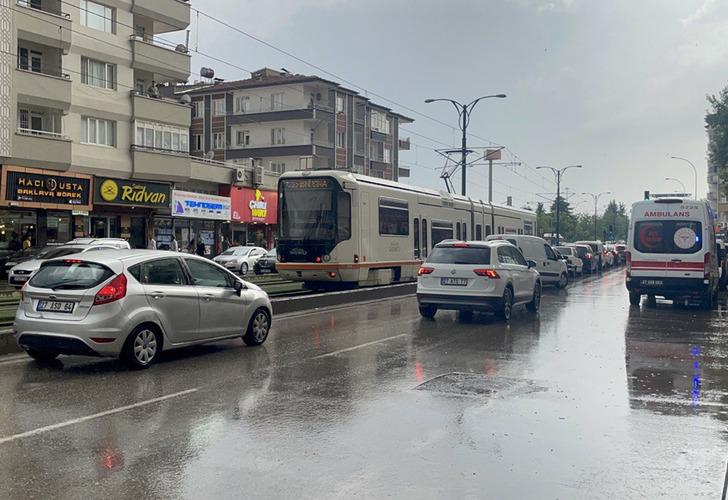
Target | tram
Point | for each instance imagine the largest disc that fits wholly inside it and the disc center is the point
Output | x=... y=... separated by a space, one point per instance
x=339 y=227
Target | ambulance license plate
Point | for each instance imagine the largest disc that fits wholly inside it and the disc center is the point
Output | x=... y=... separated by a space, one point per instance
x=651 y=282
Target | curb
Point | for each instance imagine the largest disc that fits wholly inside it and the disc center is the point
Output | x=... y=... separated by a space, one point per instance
x=285 y=305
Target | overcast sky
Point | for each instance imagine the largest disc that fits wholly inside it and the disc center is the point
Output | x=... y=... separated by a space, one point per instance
x=613 y=85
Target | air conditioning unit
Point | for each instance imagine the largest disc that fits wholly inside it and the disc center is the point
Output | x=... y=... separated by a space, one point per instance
x=258 y=177
x=239 y=176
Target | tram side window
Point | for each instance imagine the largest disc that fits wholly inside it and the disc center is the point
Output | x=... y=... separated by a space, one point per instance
x=465 y=231
x=488 y=231
x=343 y=217
x=416 y=231
x=425 y=246
x=393 y=217
x=441 y=230
x=478 y=232
x=457 y=232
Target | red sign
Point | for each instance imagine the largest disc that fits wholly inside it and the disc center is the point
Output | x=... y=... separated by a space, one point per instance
x=254 y=205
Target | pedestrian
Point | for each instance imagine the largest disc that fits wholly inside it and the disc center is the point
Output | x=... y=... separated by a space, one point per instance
x=27 y=243
x=225 y=243
x=174 y=246
x=15 y=245
x=152 y=243
x=201 y=248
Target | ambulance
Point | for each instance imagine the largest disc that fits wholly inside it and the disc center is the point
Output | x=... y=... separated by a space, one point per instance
x=672 y=253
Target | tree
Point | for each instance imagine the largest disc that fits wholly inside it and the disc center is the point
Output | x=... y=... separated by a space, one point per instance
x=716 y=125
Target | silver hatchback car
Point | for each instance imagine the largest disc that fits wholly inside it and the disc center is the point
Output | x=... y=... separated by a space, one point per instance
x=135 y=304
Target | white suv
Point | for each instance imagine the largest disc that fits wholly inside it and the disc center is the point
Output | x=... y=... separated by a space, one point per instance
x=490 y=276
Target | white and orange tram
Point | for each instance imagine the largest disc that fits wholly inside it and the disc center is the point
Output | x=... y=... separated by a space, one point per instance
x=339 y=227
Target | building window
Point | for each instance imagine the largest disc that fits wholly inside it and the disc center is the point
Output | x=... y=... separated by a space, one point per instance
x=98 y=74
x=31 y=60
x=242 y=104
x=242 y=138
x=276 y=102
x=98 y=131
x=277 y=136
x=278 y=167
x=218 y=107
x=393 y=217
x=379 y=122
x=197 y=142
x=36 y=123
x=97 y=16
x=218 y=140
x=340 y=103
x=161 y=137
x=340 y=139
x=387 y=153
x=198 y=109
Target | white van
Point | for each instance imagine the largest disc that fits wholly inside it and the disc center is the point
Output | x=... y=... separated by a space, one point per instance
x=553 y=270
x=671 y=252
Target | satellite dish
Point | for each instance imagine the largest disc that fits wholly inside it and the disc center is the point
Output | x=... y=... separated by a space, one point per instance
x=185 y=99
x=181 y=48
x=209 y=155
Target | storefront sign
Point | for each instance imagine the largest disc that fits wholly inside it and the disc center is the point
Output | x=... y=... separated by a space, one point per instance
x=35 y=188
x=254 y=205
x=200 y=206
x=131 y=193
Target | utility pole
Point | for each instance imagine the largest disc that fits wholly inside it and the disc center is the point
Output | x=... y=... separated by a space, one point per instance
x=558 y=173
x=464 y=111
x=595 y=197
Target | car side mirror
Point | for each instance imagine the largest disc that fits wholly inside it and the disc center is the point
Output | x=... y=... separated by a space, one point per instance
x=239 y=287
x=531 y=263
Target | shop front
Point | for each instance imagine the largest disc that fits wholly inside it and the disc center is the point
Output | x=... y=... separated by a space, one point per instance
x=125 y=209
x=254 y=216
x=41 y=207
x=197 y=218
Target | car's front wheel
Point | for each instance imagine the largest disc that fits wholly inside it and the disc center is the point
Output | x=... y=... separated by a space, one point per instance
x=563 y=280
x=244 y=268
x=42 y=356
x=428 y=311
x=258 y=328
x=535 y=303
x=142 y=347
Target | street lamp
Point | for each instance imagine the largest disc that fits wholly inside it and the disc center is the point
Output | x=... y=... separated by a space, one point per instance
x=596 y=201
x=695 y=172
x=677 y=180
x=558 y=173
x=464 y=111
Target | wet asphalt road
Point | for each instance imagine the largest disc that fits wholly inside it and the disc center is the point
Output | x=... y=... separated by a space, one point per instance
x=591 y=399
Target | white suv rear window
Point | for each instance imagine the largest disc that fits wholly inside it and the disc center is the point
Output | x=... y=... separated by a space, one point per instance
x=668 y=236
x=460 y=255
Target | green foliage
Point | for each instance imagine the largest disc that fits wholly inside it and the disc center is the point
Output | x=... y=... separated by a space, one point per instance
x=580 y=226
x=716 y=125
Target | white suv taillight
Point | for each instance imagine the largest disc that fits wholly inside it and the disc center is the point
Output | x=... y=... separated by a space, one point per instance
x=706 y=266
x=22 y=291
x=628 y=256
x=115 y=290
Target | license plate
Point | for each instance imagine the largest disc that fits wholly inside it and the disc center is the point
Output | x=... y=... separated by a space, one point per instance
x=21 y=279
x=651 y=282
x=454 y=281
x=55 y=306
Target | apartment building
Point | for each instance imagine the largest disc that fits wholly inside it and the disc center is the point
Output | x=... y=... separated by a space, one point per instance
x=718 y=201
x=294 y=122
x=88 y=144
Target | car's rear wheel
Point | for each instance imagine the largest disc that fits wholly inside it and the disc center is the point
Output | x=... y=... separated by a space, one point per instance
x=535 y=303
x=507 y=310
x=142 y=347
x=428 y=311
x=563 y=280
x=42 y=356
x=258 y=328
x=244 y=268
x=634 y=299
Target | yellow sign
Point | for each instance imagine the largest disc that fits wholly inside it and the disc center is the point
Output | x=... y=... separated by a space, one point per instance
x=109 y=190
x=258 y=207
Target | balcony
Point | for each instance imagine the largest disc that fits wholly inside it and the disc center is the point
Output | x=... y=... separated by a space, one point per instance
x=41 y=89
x=159 y=109
x=164 y=63
x=157 y=165
x=41 y=149
x=47 y=26
x=167 y=15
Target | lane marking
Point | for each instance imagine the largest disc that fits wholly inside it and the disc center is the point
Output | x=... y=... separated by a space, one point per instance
x=79 y=420
x=367 y=344
x=325 y=309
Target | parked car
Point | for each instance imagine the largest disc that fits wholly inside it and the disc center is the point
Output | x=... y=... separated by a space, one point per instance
x=722 y=263
x=621 y=250
x=597 y=248
x=24 y=256
x=20 y=273
x=490 y=276
x=584 y=252
x=553 y=271
x=240 y=259
x=267 y=263
x=608 y=257
x=573 y=262
x=135 y=304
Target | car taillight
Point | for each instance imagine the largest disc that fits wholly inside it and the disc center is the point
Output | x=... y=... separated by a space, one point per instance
x=424 y=270
x=22 y=291
x=706 y=265
x=628 y=256
x=111 y=292
x=487 y=273
x=461 y=245
x=587 y=256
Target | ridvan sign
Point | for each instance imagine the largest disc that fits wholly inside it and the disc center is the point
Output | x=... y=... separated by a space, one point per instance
x=131 y=193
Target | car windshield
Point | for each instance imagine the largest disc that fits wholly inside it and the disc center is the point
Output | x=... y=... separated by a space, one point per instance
x=581 y=251
x=64 y=274
x=668 y=236
x=459 y=255
x=60 y=252
x=564 y=250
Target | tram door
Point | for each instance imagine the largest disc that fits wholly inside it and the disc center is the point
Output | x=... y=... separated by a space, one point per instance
x=365 y=230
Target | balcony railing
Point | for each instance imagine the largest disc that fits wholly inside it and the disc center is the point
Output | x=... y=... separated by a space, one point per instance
x=55 y=74
x=42 y=133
